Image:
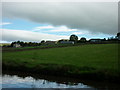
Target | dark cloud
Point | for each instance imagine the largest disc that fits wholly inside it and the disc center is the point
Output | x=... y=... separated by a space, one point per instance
x=95 y=17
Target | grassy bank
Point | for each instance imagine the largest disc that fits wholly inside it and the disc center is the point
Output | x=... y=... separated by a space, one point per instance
x=90 y=61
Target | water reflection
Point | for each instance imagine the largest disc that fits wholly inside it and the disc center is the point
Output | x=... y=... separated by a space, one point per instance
x=14 y=81
x=27 y=80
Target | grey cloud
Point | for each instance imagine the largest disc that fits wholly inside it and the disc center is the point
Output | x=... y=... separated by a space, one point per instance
x=15 y=35
x=95 y=17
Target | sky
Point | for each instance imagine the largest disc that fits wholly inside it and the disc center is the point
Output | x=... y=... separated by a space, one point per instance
x=36 y=21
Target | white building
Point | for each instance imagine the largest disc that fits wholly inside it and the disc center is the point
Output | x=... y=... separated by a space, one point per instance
x=95 y=40
x=67 y=42
x=16 y=45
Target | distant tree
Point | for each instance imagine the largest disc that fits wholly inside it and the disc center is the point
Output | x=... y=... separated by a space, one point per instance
x=113 y=39
x=104 y=39
x=43 y=41
x=29 y=43
x=18 y=42
x=118 y=34
x=59 y=41
x=12 y=44
x=108 y=39
x=24 y=44
x=74 y=38
x=83 y=39
x=21 y=43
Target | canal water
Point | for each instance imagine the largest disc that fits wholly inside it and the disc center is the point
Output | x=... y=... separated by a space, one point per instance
x=41 y=81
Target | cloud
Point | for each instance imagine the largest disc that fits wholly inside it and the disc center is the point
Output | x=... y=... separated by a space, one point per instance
x=50 y=28
x=62 y=29
x=92 y=16
x=14 y=35
x=5 y=23
x=79 y=33
x=44 y=27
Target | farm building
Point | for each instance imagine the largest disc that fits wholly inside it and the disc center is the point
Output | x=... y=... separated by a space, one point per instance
x=16 y=45
x=67 y=42
x=95 y=40
x=50 y=42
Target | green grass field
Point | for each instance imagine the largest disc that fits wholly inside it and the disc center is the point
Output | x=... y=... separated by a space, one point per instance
x=2 y=44
x=97 y=57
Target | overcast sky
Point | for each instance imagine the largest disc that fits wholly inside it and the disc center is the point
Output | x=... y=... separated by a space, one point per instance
x=36 y=21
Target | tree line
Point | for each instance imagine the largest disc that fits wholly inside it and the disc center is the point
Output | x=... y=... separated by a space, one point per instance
x=83 y=39
x=71 y=38
x=25 y=44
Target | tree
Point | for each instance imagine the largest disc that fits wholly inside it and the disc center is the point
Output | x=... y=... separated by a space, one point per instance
x=83 y=39
x=118 y=34
x=43 y=41
x=74 y=38
x=104 y=39
x=12 y=44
